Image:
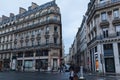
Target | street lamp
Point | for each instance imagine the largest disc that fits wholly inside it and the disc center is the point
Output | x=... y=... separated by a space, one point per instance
x=81 y=73
x=81 y=77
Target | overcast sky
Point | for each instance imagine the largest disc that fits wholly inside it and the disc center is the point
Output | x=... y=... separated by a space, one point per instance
x=72 y=12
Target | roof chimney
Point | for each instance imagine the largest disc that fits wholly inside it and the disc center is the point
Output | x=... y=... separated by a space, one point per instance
x=11 y=15
x=4 y=17
x=34 y=5
x=21 y=10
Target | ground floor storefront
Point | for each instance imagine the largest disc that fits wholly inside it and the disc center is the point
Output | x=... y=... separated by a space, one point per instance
x=31 y=60
x=105 y=57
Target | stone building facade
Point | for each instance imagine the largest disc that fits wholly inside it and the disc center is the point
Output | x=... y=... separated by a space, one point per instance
x=31 y=40
x=103 y=28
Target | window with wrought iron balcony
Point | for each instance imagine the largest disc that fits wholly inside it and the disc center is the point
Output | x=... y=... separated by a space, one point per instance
x=104 y=19
x=116 y=19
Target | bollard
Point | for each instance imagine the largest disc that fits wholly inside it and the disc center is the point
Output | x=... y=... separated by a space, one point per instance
x=81 y=73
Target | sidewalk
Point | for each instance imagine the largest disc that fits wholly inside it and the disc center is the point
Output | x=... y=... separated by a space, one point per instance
x=105 y=74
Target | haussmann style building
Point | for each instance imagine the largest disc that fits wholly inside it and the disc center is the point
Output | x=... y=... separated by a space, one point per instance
x=31 y=40
x=103 y=28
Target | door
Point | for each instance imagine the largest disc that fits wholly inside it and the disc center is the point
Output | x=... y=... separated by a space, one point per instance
x=109 y=65
x=55 y=64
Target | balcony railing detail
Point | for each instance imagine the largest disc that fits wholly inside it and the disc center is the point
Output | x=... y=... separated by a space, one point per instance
x=116 y=21
x=25 y=48
x=104 y=23
x=50 y=21
x=107 y=4
x=55 y=34
x=102 y=37
x=101 y=6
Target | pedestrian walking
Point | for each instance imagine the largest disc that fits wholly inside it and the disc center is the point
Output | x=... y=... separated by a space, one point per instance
x=75 y=77
x=71 y=74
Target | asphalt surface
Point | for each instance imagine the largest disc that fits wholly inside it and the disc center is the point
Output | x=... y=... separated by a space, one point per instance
x=50 y=76
x=33 y=76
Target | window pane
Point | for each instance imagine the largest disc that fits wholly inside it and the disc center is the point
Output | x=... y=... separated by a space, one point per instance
x=116 y=13
x=103 y=16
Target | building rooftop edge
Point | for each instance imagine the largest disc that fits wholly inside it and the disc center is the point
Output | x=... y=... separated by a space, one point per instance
x=27 y=12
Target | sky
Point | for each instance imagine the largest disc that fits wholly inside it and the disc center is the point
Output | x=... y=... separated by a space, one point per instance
x=72 y=12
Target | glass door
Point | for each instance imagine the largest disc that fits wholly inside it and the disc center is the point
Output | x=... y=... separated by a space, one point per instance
x=109 y=65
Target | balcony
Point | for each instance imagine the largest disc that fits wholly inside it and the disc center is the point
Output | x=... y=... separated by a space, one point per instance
x=104 y=23
x=97 y=7
x=108 y=4
x=41 y=46
x=53 y=12
x=26 y=40
x=21 y=40
x=32 y=36
x=38 y=16
x=112 y=36
x=27 y=37
x=38 y=38
x=55 y=34
x=47 y=35
x=15 y=41
x=50 y=21
x=116 y=21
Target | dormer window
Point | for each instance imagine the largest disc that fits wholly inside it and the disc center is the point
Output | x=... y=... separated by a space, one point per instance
x=102 y=1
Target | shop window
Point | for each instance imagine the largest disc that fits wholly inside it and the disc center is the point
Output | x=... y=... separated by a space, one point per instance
x=108 y=49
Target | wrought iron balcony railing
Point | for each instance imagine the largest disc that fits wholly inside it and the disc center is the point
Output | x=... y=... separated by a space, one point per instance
x=50 y=21
x=107 y=4
x=102 y=37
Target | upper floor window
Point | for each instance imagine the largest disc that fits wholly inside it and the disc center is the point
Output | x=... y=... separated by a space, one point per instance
x=33 y=32
x=47 y=18
x=32 y=43
x=114 y=0
x=47 y=41
x=102 y=1
x=47 y=29
x=55 y=17
x=96 y=49
x=103 y=16
x=116 y=13
x=55 y=29
x=119 y=49
x=55 y=40
x=105 y=32
x=39 y=31
x=108 y=49
x=118 y=30
x=27 y=43
x=21 y=44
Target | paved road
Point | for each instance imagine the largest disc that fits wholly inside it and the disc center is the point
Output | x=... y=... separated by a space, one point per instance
x=49 y=76
x=98 y=77
x=33 y=76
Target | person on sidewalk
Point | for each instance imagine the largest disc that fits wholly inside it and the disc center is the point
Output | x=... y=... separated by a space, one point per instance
x=71 y=74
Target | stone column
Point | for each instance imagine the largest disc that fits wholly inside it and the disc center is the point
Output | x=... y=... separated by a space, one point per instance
x=49 y=60
x=23 y=66
x=101 y=58
x=34 y=60
x=116 y=57
x=10 y=60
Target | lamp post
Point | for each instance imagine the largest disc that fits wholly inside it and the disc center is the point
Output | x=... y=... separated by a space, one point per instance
x=81 y=73
x=81 y=77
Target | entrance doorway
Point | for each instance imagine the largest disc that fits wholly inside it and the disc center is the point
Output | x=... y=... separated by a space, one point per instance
x=54 y=64
x=109 y=65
